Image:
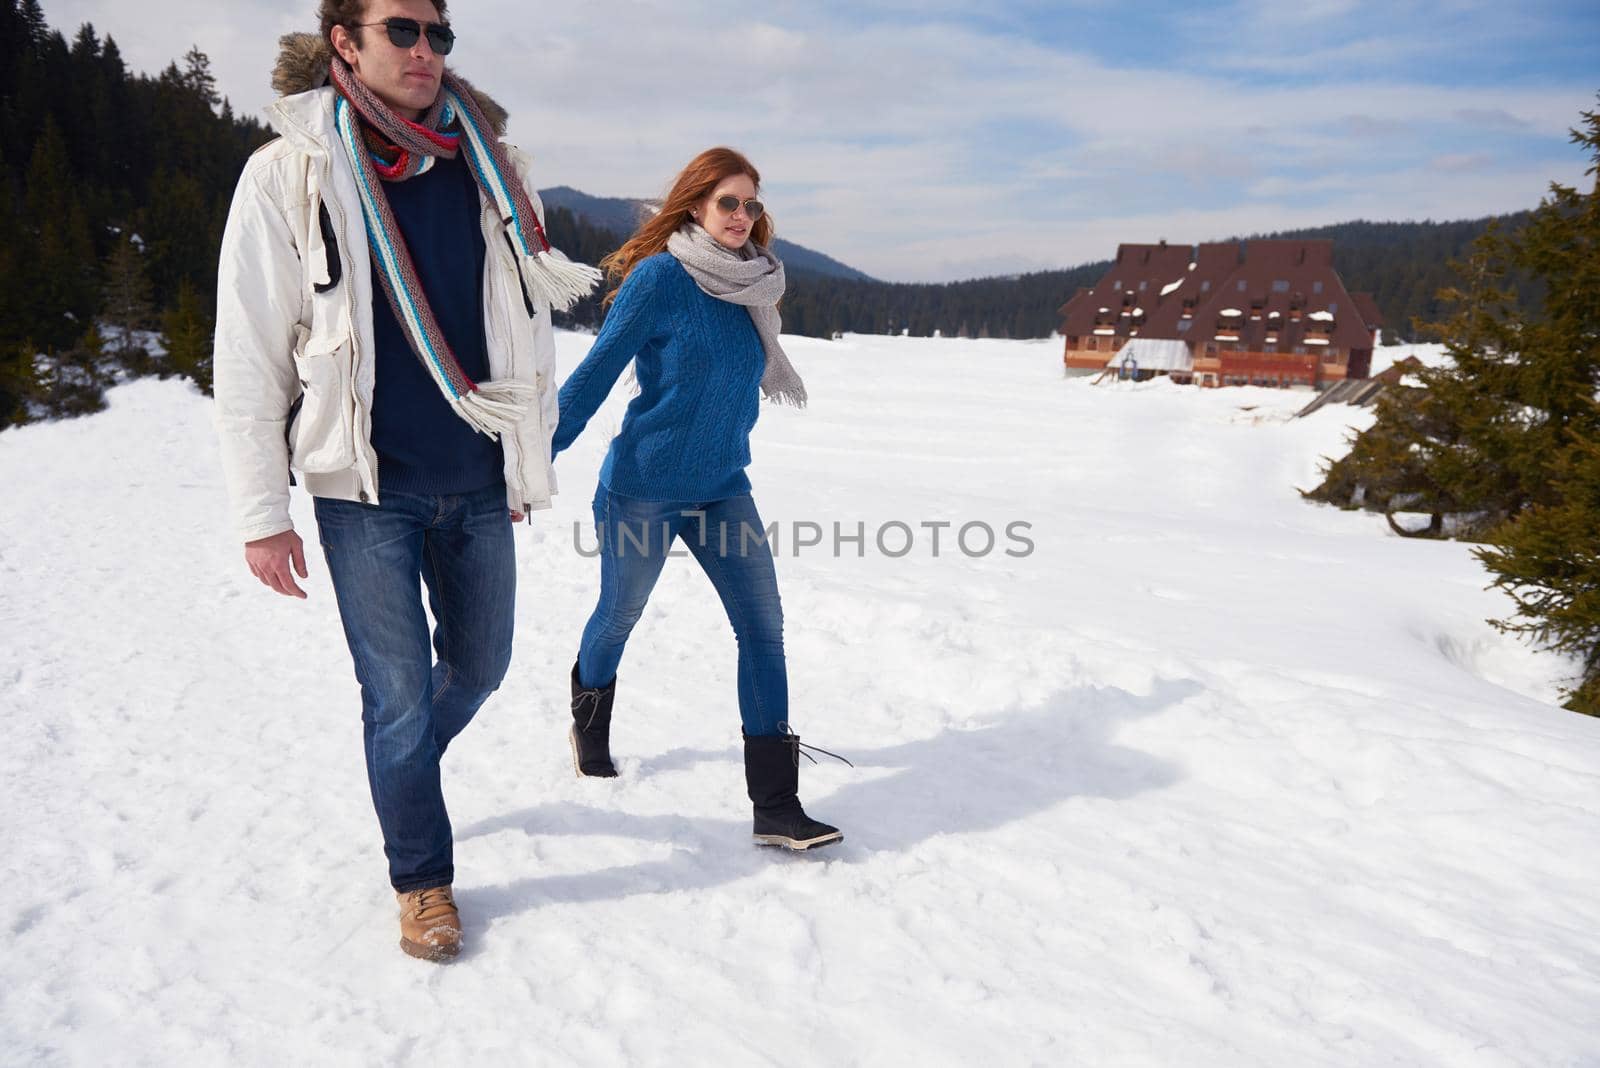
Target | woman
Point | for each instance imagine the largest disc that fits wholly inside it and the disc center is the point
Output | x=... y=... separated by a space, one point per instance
x=697 y=313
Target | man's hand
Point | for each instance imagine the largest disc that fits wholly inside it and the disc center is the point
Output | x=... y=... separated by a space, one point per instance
x=517 y=517
x=269 y=560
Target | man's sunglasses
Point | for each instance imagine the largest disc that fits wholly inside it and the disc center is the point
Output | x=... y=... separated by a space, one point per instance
x=730 y=204
x=403 y=33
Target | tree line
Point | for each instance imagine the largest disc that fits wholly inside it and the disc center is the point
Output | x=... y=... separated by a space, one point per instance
x=1404 y=266
x=114 y=189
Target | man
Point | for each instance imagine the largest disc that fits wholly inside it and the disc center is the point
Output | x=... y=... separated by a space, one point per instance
x=383 y=327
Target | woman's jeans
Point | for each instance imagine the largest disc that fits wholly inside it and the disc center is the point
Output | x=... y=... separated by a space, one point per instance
x=729 y=540
x=412 y=704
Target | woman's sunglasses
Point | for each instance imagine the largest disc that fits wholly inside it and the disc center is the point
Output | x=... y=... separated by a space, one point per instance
x=403 y=33
x=730 y=204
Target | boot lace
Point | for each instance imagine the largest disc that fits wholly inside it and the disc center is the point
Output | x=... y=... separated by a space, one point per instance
x=431 y=898
x=591 y=696
x=800 y=748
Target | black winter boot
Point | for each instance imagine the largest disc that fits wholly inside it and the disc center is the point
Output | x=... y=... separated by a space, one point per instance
x=591 y=729
x=772 y=774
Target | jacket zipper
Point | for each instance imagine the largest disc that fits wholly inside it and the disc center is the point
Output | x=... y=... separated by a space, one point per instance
x=357 y=439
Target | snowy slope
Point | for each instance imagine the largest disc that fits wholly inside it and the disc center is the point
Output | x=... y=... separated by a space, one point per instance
x=1212 y=777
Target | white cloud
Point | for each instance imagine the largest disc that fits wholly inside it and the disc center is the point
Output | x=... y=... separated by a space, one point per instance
x=891 y=144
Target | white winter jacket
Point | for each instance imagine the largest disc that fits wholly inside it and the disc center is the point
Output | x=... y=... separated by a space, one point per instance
x=294 y=323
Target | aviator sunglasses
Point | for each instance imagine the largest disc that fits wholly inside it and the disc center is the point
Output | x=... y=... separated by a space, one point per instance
x=730 y=204
x=403 y=33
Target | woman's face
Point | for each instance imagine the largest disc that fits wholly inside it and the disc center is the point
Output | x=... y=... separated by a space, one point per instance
x=732 y=229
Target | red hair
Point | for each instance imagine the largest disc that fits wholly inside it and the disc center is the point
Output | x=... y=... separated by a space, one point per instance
x=693 y=184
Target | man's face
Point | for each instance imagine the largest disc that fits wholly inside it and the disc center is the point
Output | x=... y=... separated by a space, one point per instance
x=407 y=79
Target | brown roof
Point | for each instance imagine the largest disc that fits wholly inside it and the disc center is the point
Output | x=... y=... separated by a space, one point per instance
x=1276 y=280
x=1368 y=307
x=1265 y=282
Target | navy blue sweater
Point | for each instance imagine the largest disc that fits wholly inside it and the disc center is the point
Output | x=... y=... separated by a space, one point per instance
x=699 y=361
x=422 y=445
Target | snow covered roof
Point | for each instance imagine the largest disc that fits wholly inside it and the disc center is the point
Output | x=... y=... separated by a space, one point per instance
x=1230 y=311
x=1155 y=354
x=1170 y=286
x=1321 y=316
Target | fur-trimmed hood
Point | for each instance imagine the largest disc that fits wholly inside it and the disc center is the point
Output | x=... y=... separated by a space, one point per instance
x=303 y=61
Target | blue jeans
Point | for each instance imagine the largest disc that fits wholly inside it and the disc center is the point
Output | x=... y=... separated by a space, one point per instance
x=413 y=704
x=729 y=541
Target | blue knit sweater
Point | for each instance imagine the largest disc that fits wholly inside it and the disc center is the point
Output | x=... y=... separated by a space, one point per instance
x=699 y=361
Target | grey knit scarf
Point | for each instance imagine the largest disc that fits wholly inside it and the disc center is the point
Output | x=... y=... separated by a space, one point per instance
x=752 y=277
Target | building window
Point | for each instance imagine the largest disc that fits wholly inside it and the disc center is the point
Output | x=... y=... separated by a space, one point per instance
x=1142 y=286
x=1316 y=287
x=1205 y=287
x=1281 y=286
x=1241 y=285
x=1117 y=285
x=1184 y=325
x=1333 y=309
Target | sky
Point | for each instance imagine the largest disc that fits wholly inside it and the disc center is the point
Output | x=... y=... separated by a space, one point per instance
x=932 y=141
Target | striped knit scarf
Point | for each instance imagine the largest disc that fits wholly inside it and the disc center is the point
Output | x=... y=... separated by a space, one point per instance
x=384 y=147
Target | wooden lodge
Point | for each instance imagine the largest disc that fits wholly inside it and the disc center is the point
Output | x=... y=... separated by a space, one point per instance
x=1265 y=313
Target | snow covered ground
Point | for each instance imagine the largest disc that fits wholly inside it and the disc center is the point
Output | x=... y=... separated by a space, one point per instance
x=1211 y=777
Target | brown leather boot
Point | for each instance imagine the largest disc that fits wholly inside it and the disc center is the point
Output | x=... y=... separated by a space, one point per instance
x=430 y=927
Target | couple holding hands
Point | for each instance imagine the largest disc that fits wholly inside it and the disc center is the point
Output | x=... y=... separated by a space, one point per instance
x=383 y=329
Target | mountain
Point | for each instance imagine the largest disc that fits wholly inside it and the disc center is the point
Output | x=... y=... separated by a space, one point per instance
x=621 y=215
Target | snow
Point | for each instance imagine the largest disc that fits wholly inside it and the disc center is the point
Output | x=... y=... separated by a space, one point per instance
x=1321 y=316
x=1212 y=777
x=1172 y=287
x=1230 y=311
x=1386 y=356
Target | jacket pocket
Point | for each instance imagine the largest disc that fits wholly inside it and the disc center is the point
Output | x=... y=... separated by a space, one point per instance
x=320 y=438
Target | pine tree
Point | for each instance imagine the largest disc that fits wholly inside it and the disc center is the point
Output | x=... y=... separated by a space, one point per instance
x=19 y=386
x=1482 y=442
x=72 y=380
x=1548 y=558
x=188 y=338
x=197 y=76
x=127 y=307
